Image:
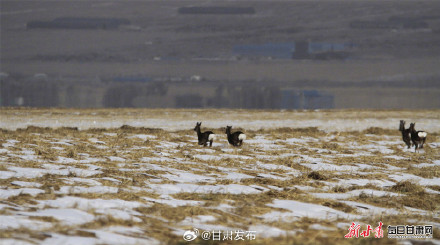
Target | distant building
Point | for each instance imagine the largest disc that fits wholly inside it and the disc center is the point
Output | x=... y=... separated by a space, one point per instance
x=267 y=50
x=321 y=50
x=294 y=50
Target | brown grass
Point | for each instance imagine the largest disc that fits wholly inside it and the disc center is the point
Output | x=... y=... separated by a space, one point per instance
x=158 y=219
x=426 y=172
x=408 y=187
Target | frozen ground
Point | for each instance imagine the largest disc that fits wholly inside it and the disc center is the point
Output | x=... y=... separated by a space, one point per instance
x=148 y=186
x=171 y=119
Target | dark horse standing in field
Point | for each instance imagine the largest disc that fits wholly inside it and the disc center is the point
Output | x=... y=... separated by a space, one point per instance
x=418 y=137
x=405 y=134
x=236 y=138
x=204 y=137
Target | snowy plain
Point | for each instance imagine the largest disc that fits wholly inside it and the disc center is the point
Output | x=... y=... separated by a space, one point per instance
x=119 y=185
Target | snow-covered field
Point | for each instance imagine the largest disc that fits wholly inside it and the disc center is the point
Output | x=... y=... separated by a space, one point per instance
x=149 y=182
x=180 y=119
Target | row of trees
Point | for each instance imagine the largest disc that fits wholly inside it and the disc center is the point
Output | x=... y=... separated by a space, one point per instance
x=41 y=91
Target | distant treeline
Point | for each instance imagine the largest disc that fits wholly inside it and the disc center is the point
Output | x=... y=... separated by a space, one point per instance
x=37 y=93
x=44 y=91
x=79 y=23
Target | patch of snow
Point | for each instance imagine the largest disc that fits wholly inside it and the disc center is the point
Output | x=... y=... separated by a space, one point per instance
x=225 y=207
x=154 y=159
x=112 y=180
x=396 y=157
x=61 y=143
x=227 y=149
x=371 y=210
x=28 y=172
x=354 y=193
x=394 y=168
x=361 y=182
x=207 y=158
x=428 y=190
x=96 y=141
x=174 y=202
x=363 y=166
x=11 y=241
x=270 y=166
x=343 y=225
x=7 y=174
x=237 y=176
x=56 y=239
x=112 y=238
x=5 y=194
x=300 y=209
x=205 y=150
x=66 y=160
x=199 y=219
x=121 y=214
x=156 y=167
x=265 y=231
x=410 y=177
x=321 y=227
x=169 y=145
x=115 y=159
x=311 y=160
x=93 y=189
x=423 y=165
x=186 y=177
x=16 y=221
x=330 y=167
x=57 y=148
x=192 y=188
x=305 y=188
x=83 y=172
x=295 y=141
x=271 y=176
x=67 y=216
x=10 y=143
x=143 y=137
x=230 y=156
x=91 y=160
x=375 y=147
x=262 y=143
x=90 y=204
x=26 y=155
x=4 y=151
x=125 y=230
x=111 y=134
x=74 y=180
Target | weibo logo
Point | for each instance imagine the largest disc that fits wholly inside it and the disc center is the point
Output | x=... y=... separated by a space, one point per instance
x=190 y=235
